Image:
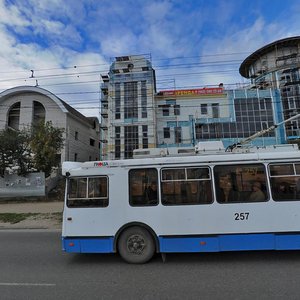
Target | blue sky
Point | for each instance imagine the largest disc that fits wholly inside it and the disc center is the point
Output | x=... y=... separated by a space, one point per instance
x=192 y=43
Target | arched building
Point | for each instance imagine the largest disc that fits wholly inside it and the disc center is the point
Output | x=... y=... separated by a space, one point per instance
x=23 y=106
x=277 y=65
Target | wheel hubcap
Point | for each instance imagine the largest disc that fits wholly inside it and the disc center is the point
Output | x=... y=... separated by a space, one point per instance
x=136 y=244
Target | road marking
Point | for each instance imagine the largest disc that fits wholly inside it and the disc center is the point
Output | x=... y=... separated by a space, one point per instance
x=25 y=284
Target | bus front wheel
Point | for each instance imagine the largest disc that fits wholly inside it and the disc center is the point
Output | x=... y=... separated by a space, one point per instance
x=136 y=245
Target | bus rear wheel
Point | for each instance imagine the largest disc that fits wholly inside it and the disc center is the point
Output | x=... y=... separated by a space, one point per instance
x=136 y=245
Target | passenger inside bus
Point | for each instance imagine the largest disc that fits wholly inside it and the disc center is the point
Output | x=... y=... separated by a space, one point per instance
x=151 y=192
x=282 y=191
x=198 y=192
x=226 y=192
x=257 y=193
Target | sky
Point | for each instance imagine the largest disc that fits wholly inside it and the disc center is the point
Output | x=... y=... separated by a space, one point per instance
x=65 y=45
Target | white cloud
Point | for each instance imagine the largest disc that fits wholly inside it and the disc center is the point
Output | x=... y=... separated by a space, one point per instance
x=119 y=43
x=156 y=12
x=55 y=34
x=11 y=15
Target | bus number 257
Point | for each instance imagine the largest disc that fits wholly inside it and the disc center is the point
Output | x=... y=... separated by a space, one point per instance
x=241 y=216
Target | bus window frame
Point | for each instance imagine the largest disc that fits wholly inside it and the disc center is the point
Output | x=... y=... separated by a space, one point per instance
x=87 y=198
x=144 y=204
x=292 y=187
x=241 y=165
x=186 y=181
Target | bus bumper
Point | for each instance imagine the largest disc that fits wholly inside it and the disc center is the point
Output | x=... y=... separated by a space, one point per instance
x=88 y=245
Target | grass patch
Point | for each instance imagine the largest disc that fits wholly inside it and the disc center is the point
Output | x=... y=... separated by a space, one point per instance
x=14 y=218
x=57 y=216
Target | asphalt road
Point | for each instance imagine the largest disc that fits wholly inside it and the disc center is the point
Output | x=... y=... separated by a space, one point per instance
x=32 y=266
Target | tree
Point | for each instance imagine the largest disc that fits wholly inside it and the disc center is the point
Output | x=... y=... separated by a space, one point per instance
x=46 y=144
x=15 y=152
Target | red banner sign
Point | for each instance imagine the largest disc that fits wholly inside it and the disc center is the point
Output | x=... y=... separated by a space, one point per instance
x=191 y=92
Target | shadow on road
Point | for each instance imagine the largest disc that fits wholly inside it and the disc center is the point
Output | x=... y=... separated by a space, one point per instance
x=197 y=258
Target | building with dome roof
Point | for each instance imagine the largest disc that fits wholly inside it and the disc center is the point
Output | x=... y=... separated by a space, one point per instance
x=277 y=66
x=23 y=106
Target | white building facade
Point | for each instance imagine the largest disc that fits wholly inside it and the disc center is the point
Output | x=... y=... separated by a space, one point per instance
x=23 y=106
x=277 y=65
x=128 y=118
x=135 y=116
x=179 y=111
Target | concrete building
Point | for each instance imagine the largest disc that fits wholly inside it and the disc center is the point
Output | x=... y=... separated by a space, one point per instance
x=135 y=116
x=128 y=119
x=277 y=65
x=178 y=112
x=23 y=106
x=185 y=117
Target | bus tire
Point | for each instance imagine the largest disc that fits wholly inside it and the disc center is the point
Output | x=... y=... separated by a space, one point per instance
x=136 y=245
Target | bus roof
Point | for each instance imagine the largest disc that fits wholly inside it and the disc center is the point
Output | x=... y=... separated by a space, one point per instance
x=251 y=154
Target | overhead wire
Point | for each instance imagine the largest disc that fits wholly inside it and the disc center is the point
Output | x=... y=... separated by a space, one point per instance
x=164 y=78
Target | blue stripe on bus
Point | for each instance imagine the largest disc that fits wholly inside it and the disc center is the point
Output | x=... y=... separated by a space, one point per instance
x=217 y=243
x=230 y=242
x=88 y=245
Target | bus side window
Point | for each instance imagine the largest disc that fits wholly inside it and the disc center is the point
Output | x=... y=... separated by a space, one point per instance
x=240 y=183
x=186 y=186
x=285 y=181
x=88 y=192
x=143 y=187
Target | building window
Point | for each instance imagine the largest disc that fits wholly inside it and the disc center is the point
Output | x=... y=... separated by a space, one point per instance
x=249 y=120
x=294 y=124
x=131 y=140
x=177 y=132
x=166 y=110
x=264 y=125
x=76 y=136
x=204 y=109
x=14 y=116
x=130 y=100
x=117 y=101
x=92 y=142
x=39 y=113
x=167 y=132
x=145 y=136
x=215 y=110
x=291 y=103
x=176 y=110
x=262 y=104
x=117 y=142
x=144 y=98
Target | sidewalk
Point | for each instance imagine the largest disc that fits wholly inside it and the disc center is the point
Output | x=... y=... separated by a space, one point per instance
x=47 y=215
x=32 y=207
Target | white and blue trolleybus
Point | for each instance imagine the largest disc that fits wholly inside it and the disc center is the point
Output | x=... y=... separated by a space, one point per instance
x=207 y=201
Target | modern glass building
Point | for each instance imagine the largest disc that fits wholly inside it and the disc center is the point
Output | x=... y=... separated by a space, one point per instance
x=277 y=66
x=135 y=116
x=127 y=107
x=186 y=117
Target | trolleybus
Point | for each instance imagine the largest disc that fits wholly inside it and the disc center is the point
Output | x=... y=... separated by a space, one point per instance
x=210 y=201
